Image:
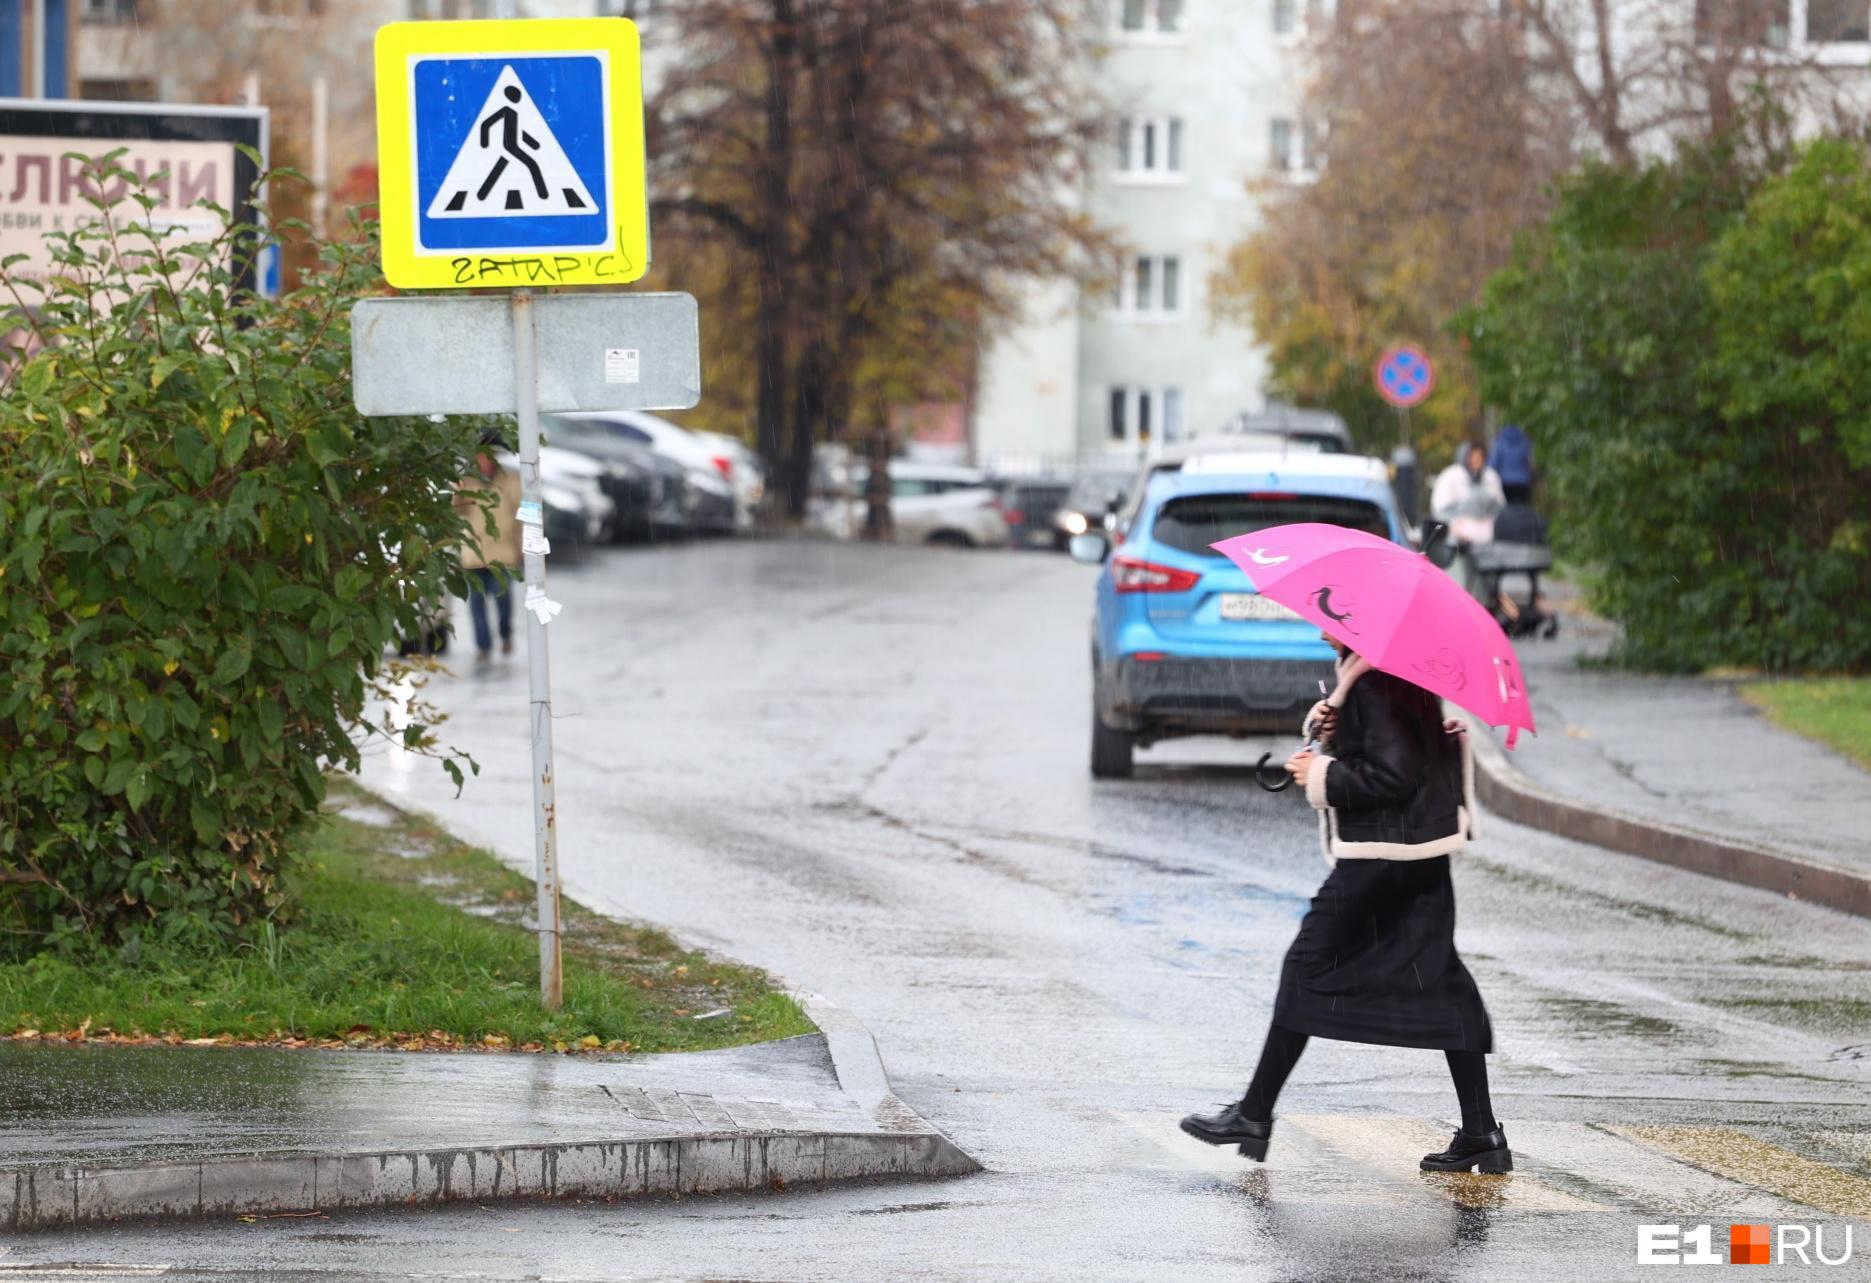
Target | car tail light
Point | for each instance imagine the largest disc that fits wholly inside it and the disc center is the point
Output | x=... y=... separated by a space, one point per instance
x=1132 y=575
x=725 y=466
x=1148 y=656
x=1014 y=516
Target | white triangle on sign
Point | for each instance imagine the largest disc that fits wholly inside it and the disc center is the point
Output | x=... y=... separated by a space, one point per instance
x=510 y=165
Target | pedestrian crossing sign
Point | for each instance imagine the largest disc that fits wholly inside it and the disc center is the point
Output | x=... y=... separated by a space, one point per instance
x=511 y=153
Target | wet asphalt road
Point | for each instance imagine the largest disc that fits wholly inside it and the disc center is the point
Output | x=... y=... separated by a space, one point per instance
x=865 y=769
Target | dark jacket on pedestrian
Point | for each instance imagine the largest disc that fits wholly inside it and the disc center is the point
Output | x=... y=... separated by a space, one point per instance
x=1395 y=785
x=1512 y=457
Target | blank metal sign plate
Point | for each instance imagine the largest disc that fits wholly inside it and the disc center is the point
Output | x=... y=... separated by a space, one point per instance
x=454 y=354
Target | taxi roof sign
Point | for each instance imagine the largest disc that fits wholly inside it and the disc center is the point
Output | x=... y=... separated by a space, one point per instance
x=511 y=153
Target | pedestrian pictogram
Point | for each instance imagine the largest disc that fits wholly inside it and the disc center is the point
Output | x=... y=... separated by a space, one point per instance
x=511 y=164
x=1404 y=376
x=511 y=153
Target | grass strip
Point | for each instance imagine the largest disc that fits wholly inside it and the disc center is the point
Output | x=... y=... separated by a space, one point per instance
x=403 y=937
x=1833 y=710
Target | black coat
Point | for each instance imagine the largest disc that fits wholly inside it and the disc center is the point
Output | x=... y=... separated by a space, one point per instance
x=1375 y=957
x=1394 y=781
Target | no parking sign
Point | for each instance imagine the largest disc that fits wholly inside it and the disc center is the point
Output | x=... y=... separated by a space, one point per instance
x=1404 y=376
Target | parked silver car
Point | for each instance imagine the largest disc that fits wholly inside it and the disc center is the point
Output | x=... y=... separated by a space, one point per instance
x=929 y=503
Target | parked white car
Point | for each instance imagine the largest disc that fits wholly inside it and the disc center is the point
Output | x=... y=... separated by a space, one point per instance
x=572 y=487
x=929 y=503
x=741 y=465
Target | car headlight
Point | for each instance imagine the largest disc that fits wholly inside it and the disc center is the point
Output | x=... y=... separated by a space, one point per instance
x=1074 y=523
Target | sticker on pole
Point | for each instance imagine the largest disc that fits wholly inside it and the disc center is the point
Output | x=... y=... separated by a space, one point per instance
x=1404 y=376
x=511 y=153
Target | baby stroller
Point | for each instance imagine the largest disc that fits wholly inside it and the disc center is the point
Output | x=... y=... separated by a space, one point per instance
x=1516 y=557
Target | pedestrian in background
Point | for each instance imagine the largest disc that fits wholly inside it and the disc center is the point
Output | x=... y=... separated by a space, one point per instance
x=1511 y=457
x=484 y=552
x=1466 y=498
x=1375 y=959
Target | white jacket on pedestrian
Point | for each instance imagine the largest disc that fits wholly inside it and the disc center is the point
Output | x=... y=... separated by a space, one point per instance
x=1467 y=504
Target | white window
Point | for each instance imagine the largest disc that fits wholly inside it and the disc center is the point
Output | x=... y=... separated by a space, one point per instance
x=1298 y=18
x=1838 y=32
x=1151 y=287
x=1142 y=416
x=1144 y=19
x=1150 y=148
x=1838 y=22
x=107 y=11
x=1295 y=147
x=1744 y=22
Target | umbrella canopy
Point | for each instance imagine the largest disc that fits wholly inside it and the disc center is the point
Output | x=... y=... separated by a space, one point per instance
x=1393 y=607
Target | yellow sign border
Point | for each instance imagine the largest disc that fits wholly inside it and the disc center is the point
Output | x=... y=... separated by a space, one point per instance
x=628 y=257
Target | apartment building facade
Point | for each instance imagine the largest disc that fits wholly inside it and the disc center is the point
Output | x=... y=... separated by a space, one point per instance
x=1202 y=99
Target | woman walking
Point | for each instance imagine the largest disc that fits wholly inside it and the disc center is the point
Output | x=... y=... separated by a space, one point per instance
x=1375 y=960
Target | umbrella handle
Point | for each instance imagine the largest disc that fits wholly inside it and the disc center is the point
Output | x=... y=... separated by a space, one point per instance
x=1285 y=781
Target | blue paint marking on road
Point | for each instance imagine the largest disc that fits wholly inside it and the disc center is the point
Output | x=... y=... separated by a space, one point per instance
x=451 y=101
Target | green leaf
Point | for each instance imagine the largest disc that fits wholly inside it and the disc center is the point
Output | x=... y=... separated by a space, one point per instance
x=165 y=366
x=204 y=815
x=272 y=719
x=142 y=784
x=118 y=776
x=234 y=661
x=234 y=444
x=36 y=379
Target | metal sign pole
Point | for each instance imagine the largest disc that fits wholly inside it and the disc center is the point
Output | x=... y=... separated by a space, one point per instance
x=539 y=673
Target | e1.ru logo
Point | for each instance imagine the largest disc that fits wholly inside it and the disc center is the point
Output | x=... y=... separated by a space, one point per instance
x=1747 y=1245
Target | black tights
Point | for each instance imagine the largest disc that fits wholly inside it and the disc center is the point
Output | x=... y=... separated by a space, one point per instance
x=1469 y=1069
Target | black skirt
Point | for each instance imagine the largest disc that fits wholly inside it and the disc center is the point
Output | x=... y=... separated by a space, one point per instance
x=1375 y=961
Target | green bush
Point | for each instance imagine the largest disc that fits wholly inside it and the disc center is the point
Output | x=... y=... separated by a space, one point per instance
x=204 y=555
x=1686 y=344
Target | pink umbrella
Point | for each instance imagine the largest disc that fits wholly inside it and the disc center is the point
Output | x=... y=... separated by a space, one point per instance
x=1395 y=608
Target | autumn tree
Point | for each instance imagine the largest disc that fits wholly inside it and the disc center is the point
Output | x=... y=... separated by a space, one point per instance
x=837 y=169
x=210 y=51
x=1449 y=121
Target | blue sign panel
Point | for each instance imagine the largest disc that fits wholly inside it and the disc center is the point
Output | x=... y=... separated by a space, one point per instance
x=512 y=154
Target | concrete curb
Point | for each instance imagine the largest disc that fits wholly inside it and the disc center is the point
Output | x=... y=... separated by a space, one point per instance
x=1508 y=793
x=697 y=1163
x=261 y=1184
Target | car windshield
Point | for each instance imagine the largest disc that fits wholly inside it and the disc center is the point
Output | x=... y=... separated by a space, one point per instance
x=1324 y=443
x=1193 y=522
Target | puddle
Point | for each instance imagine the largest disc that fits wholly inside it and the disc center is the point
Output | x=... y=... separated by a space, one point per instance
x=1594 y=1017
x=374 y=814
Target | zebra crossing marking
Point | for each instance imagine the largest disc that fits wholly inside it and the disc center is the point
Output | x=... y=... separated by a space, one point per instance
x=1370 y=1160
x=1743 y=1158
x=1395 y=1146
x=1638 y=1175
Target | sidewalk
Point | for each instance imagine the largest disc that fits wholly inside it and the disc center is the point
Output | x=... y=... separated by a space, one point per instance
x=1682 y=770
x=98 y=1133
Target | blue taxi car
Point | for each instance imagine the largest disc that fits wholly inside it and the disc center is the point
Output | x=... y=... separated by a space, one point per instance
x=1181 y=642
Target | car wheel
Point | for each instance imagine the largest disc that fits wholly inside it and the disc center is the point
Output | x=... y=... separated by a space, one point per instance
x=950 y=539
x=1111 y=751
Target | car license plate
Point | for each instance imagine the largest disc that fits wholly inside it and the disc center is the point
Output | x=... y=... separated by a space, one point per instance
x=1242 y=605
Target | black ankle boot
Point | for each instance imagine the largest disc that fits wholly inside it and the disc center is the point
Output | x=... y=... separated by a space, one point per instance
x=1486 y=1152
x=1232 y=1127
